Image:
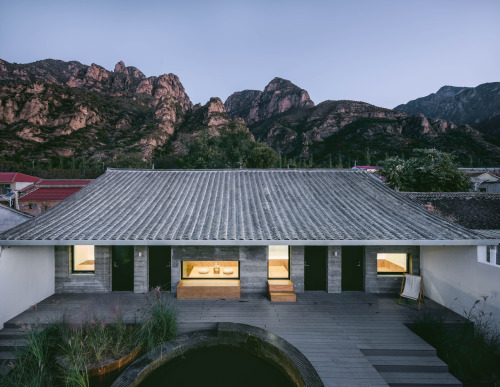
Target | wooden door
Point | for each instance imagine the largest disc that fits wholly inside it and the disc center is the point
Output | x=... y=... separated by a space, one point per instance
x=122 y=273
x=352 y=268
x=159 y=267
x=315 y=267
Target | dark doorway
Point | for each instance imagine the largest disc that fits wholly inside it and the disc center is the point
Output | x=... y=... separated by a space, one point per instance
x=159 y=267
x=352 y=268
x=315 y=267
x=122 y=261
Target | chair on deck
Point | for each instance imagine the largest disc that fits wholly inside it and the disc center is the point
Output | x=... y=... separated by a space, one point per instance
x=412 y=288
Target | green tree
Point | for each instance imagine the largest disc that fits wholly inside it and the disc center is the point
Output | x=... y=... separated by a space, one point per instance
x=261 y=156
x=428 y=170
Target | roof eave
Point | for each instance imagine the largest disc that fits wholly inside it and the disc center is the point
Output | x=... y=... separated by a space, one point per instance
x=457 y=242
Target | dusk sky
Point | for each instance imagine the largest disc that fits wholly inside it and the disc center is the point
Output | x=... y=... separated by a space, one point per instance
x=381 y=52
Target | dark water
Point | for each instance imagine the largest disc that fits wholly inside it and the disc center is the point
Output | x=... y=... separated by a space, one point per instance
x=218 y=366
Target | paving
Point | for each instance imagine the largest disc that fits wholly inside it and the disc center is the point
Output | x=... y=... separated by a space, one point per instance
x=352 y=338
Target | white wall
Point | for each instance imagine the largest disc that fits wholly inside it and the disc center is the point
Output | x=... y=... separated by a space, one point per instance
x=454 y=278
x=26 y=278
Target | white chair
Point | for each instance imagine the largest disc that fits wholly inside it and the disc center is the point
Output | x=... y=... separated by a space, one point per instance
x=412 y=288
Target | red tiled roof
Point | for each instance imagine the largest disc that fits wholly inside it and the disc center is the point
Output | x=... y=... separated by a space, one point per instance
x=17 y=177
x=63 y=182
x=50 y=193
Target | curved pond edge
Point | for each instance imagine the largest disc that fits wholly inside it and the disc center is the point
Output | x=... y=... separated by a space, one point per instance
x=258 y=341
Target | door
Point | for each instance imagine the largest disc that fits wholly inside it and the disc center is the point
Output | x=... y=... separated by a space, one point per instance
x=122 y=274
x=352 y=268
x=159 y=267
x=315 y=267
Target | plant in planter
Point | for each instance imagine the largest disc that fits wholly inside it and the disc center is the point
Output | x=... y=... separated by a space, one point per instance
x=159 y=320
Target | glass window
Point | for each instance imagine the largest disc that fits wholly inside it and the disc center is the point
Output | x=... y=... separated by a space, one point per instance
x=389 y=263
x=279 y=261
x=83 y=259
x=210 y=269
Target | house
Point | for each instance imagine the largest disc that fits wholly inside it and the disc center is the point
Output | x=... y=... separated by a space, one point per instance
x=46 y=193
x=465 y=279
x=484 y=180
x=15 y=181
x=10 y=217
x=220 y=233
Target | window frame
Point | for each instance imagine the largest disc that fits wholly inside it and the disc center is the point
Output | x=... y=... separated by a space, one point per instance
x=396 y=273
x=289 y=265
x=209 y=278
x=72 y=262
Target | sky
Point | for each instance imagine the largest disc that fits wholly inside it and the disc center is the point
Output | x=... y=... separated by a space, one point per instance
x=381 y=52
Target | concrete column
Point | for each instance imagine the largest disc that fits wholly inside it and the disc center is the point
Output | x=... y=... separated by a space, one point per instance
x=253 y=269
x=297 y=267
x=141 y=269
x=334 y=278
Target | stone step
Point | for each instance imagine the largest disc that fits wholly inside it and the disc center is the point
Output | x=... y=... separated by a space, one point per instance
x=427 y=379
x=10 y=345
x=408 y=364
x=11 y=333
x=6 y=356
x=283 y=296
x=280 y=286
x=421 y=351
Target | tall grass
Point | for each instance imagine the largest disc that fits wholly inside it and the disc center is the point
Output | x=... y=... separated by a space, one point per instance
x=472 y=350
x=36 y=364
x=160 y=321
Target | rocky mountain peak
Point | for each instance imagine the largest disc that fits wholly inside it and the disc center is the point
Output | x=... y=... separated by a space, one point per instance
x=120 y=68
x=450 y=91
x=279 y=96
x=214 y=113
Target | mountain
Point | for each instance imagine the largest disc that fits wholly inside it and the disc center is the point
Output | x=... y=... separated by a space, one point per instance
x=51 y=109
x=74 y=115
x=351 y=130
x=476 y=106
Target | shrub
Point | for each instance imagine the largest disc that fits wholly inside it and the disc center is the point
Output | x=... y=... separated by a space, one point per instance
x=160 y=321
x=472 y=350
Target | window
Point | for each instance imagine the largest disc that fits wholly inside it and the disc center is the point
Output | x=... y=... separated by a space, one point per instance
x=489 y=255
x=82 y=259
x=390 y=263
x=279 y=262
x=3 y=188
x=210 y=269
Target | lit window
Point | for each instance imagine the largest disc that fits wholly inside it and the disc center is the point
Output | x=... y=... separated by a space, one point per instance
x=392 y=263
x=210 y=269
x=83 y=259
x=279 y=262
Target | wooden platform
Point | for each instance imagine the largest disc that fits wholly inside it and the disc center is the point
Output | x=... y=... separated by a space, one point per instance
x=208 y=289
x=281 y=291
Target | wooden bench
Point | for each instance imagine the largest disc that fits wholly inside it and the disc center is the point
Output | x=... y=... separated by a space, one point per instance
x=208 y=289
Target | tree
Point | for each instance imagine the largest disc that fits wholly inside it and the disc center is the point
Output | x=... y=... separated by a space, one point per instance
x=428 y=170
x=261 y=156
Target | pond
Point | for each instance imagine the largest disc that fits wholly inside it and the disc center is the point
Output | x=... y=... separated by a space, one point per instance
x=218 y=366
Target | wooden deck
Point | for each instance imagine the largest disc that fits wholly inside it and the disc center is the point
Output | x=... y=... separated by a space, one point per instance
x=352 y=339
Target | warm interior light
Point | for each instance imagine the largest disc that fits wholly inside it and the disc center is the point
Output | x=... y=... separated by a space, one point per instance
x=391 y=262
x=278 y=252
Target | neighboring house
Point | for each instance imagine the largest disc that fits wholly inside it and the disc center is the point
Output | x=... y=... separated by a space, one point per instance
x=10 y=217
x=484 y=180
x=46 y=194
x=466 y=279
x=15 y=181
x=368 y=168
x=326 y=230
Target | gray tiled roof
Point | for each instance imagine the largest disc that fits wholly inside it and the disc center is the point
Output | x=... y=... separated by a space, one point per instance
x=475 y=210
x=237 y=206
